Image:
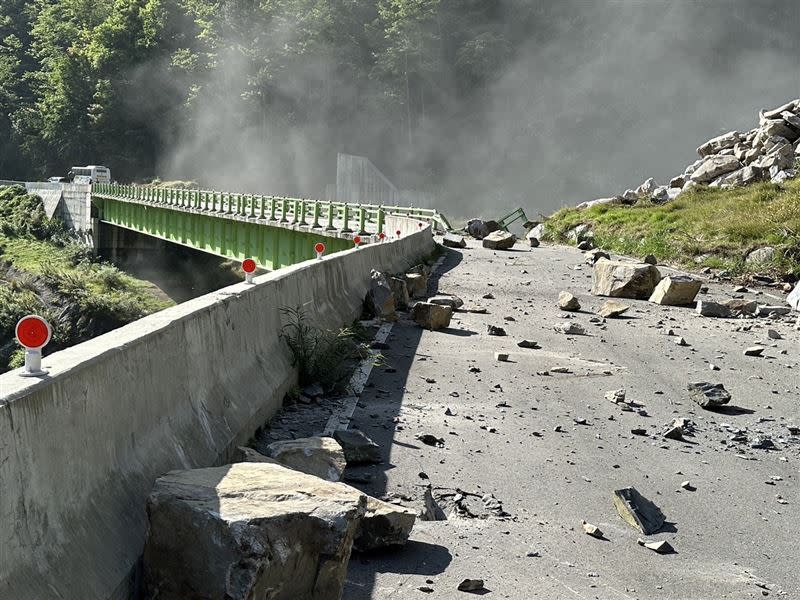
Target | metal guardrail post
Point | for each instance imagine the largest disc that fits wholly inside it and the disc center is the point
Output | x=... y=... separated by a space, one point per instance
x=303 y=207
x=330 y=226
x=316 y=224
x=272 y=207
x=346 y=218
x=252 y=206
x=381 y=219
x=262 y=212
x=295 y=209
x=284 y=208
x=362 y=221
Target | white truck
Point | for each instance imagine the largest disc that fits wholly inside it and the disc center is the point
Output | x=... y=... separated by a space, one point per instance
x=90 y=174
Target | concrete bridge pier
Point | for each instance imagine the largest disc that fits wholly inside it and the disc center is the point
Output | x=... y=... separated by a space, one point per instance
x=118 y=244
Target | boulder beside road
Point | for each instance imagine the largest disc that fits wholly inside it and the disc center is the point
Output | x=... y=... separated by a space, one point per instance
x=320 y=456
x=499 y=240
x=624 y=280
x=249 y=530
x=432 y=316
x=676 y=290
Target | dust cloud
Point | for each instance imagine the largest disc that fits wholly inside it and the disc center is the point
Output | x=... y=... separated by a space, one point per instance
x=595 y=97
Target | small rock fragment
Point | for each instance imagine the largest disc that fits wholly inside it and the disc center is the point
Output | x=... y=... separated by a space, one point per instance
x=528 y=344
x=661 y=546
x=568 y=302
x=570 y=328
x=431 y=440
x=471 y=585
x=708 y=395
x=494 y=330
x=754 y=351
x=592 y=530
x=612 y=309
x=501 y=356
x=638 y=511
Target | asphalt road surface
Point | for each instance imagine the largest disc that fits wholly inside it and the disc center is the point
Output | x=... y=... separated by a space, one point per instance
x=516 y=490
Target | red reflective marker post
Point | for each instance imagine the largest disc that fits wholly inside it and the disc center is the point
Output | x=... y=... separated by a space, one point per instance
x=249 y=267
x=319 y=248
x=357 y=241
x=382 y=237
x=398 y=232
x=33 y=333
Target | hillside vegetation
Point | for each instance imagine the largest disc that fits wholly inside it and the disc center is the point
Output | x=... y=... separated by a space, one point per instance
x=702 y=227
x=44 y=271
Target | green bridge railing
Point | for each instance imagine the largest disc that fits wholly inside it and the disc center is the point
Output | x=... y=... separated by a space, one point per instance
x=318 y=214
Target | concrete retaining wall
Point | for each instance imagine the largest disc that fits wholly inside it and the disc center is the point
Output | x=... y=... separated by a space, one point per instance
x=80 y=449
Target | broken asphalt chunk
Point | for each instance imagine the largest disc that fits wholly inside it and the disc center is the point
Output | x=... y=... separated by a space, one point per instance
x=638 y=511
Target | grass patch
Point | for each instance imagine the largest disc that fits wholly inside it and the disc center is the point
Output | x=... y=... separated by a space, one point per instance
x=43 y=270
x=702 y=227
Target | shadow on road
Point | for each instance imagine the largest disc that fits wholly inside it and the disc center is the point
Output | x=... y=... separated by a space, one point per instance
x=377 y=415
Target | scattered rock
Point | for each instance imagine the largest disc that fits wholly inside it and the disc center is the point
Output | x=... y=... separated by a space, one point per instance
x=761 y=255
x=528 y=344
x=417 y=284
x=638 y=511
x=480 y=229
x=661 y=546
x=471 y=585
x=431 y=510
x=495 y=330
x=592 y=530
x=624 y=280
x=431 y=440
x=687 y=485
x=499 y=240
x=587 y=244
x=533 y=241
x=383 y=525
x=676 y=290
x=568 y=302
x=754 y=351
x=380 y=299
x=793 y=299
x=320 y=456
x=713 y=167
x=570 y=328
x=681 y=342
x=592 y=256
x=245 y=454
x=739 y=306
x=616 y=396
x=451 y=240
x=400 y=290
x=674 y=432
x=708 y=395
x=357 y=447
x=432 y=316
x=774 y=335
x=767 y=310
x=612 y=309
x=238 y=530
x=708 y=308
x=453 y=302
x=650 y=259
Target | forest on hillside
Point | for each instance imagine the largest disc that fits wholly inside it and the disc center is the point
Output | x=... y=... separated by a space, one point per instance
x=147 y=86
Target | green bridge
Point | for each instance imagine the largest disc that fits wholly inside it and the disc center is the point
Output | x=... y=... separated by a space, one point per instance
x=273 y=231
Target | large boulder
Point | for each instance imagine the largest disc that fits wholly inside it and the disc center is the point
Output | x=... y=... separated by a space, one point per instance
x=384 y=525
x=778 y=127
x=248 y=531
x=793 y=299
x=320 y=456
x=499 y=240
x=479 y=229
x=739 y=177
x=400 y=291
x=708 y=395
x=790 y=106
x=676 y=290
x=417 y=284
x=713 y=167
x=432 y=316
x=380 y=300
x=624 y=280
x=646 y=189
x=761 y=255
x=722 y=142
x=358 y=448
x=451 y=240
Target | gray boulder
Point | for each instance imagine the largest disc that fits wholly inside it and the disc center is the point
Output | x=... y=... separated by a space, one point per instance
x=778 y=127
x=499 y=240
x=380 y=299
x=480 y=229
x=450 y=300
x=624 y=280
x=791 y=119
x=319 y=456
x=568 y=302
x=707 y=308
x=451 y=240
x=761 y=255
x=790 y=106
x=722 y=142
x=432 y=316
x=677 y=182
x=400 y=291
x=713 y=167
x=611 y=309
x=357 y=447
x=676 y=290
x=249 y=530
x=708 y=395
x=739 y=177
x=646 y=189
x=383 y=525
x=592 y=256
x=417 y=284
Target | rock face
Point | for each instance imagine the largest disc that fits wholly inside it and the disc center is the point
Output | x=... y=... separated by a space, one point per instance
x=358 y=448
x=248 y=531
x=320 y=456
x=708 y=395
x=380 y=299
x=432 y=316
x=383 y=525
x=568 y=302
x=624 y=280
x=676 y=290
x=499 y=240
x=451 y=240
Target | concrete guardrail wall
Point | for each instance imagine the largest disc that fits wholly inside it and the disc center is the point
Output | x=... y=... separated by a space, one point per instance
x=80 y=449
